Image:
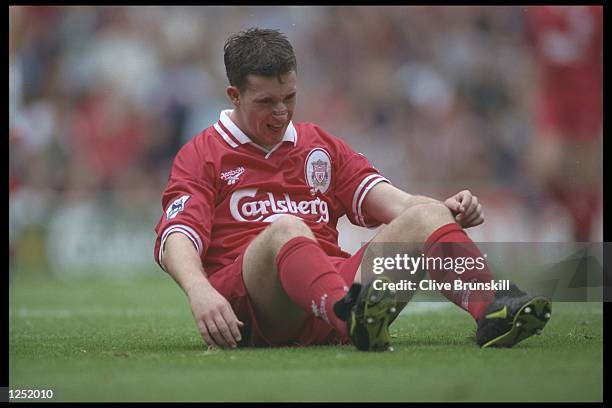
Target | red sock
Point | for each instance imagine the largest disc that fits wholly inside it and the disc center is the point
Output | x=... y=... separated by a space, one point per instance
x=474 y=302
x=310 y=280
x=582 y=203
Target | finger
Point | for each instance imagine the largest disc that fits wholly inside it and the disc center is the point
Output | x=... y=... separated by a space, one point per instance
x=225 y=331
x=233 y=323
x=215 y=333
x=466 y=200
x=467 y=221
x=477 y=221
x=478 y=209
x=470 y=222
x=205 y=334
x=453 y=204
x=473 y=209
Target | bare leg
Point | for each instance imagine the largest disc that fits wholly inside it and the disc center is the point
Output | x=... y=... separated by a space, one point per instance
x=413 y=227
x=280 y=319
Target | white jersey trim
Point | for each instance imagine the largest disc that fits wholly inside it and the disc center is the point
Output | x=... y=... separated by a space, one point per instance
x=184 y=229
x=360 y=193
x=225 y=136
x=289 y=136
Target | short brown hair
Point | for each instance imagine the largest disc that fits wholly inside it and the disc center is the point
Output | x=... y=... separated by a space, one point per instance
x=257 y=51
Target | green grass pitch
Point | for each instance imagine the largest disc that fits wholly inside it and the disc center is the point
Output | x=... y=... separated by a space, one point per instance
x=135 y=340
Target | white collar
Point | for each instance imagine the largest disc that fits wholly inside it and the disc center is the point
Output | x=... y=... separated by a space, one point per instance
x=289 y=136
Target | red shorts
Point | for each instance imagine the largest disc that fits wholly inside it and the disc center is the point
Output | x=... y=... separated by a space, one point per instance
x=571 y=115
x=228 y=281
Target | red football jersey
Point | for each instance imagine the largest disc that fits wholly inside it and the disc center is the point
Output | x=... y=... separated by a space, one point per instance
x=568 y=46
x=223 y=189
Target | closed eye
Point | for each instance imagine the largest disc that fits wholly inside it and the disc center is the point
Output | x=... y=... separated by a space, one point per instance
x=271 y=100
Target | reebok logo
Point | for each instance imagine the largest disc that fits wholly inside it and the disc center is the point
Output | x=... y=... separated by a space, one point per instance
x=232 y=176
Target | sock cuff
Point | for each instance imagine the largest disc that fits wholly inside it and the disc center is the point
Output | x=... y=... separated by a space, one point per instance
x=442 y=231
x=290 y=246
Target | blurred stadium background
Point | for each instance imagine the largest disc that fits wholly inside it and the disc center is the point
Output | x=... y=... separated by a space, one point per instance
x=101 y=99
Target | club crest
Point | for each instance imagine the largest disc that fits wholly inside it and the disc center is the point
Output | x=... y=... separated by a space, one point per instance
x=318 y=170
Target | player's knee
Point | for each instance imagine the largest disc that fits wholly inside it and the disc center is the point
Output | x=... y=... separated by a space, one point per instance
x=433 y=211
x=290 y=225
x=427 y=216
x=286 y=228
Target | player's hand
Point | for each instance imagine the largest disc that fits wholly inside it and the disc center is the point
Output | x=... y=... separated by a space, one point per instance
x=214 y=316
x=466 y=209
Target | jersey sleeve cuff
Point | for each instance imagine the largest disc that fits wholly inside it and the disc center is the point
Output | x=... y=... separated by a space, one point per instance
x=360 y=193
x=183 y=229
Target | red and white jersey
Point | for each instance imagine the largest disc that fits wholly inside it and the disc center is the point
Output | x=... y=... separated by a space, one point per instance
x=223 y=190
x=568 y=45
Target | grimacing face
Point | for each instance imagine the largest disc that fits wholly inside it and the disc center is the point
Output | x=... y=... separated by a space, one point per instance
x=265 y=108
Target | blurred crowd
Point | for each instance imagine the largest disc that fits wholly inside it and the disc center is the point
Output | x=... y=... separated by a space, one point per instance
x=102 y=98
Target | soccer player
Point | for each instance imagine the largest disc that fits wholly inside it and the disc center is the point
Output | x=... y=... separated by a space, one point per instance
x=249 y=224
x=567 y=46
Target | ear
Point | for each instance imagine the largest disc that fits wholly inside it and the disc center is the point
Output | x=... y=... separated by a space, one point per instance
x=234 y=95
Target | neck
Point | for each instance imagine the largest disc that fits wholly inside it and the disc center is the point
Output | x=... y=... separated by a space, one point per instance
x=234 y=118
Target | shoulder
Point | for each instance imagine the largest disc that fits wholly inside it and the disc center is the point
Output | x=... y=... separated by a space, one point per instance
x=313 y=134
x=203 y=146
x=200 y=154
x=309 y=129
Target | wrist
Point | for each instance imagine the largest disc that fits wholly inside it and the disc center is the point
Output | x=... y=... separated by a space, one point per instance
x=194 y=283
